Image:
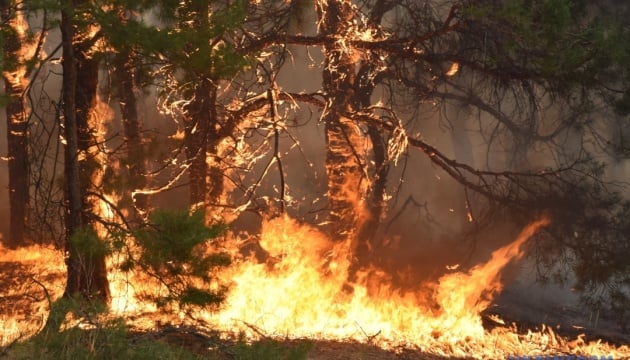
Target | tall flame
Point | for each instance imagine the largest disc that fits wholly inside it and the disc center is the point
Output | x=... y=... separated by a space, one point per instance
x=302 y=291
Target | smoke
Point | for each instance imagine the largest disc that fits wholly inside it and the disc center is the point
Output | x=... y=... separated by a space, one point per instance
x=423 y=230
x=426 y=230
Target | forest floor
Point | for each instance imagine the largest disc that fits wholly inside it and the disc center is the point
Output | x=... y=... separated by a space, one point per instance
x=30 y=280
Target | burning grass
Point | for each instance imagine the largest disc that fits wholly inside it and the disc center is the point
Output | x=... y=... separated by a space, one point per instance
x=302 y=291
x=30 y=278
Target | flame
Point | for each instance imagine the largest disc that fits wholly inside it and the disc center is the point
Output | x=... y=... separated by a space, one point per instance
x=19 y=78
x=302 y=291
x=483 y=278
x=453 y=70
x=99 y=118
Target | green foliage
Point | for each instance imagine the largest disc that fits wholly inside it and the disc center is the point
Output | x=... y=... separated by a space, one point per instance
x=172 y=236
x=199 y=297
x=553 y=42
x=8 y=35
x=174 y=249
x=85 y=242
x=11 y=42
x=185 y=41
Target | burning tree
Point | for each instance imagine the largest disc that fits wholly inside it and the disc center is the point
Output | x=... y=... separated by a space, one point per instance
x=17 y=66
x=204 y=59
x=534 y=77
x=87 y=274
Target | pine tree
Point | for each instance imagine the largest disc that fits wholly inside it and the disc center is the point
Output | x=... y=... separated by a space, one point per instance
x=16 y=78
x=87 y=273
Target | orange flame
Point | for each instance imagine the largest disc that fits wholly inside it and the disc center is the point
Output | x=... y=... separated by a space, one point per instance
x=19 y=78
x=303 y=292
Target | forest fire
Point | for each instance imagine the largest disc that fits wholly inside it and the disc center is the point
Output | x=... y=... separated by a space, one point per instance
x=259 y=170
x=302 y=291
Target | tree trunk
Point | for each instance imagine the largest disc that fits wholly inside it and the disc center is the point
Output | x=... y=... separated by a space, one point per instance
x=87 y=274
x=196 y=140
x=343 y=137
x=202 y=138
x=202 y=133
x=17 y=133
x=216 y=186
x=17 y=129
x=136 y=168
x=367 y=77
x=364 y=87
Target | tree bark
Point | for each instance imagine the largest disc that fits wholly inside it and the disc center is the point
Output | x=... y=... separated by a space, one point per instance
x=87 y=274
x=215 y=178
x=136 y=168
x=364 y=87
x=343 y=136
x=365 y=83
x=17 y=130
x=196 y=139
x=202 y=138
x=202 y=133
x=367 y=77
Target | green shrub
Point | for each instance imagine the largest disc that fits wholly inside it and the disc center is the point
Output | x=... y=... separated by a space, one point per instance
x=174 y=249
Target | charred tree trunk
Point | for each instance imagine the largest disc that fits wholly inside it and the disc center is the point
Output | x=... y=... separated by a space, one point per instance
x=343 y=137
x=216 y=186
x=17 y=141
x=202 y=131
x=202 y=140
x=367 y=77
x=74 y=211
x=196 y=139
x=136 y=168
x=364 y=87
x=87 y=273
x=197 y=119
x=17 y=129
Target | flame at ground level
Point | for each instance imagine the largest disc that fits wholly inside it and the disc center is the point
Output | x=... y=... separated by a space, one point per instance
x=302 y=291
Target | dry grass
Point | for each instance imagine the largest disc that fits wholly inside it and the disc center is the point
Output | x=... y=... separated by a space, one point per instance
x=30 y=278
